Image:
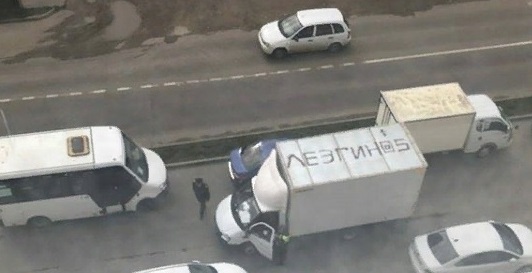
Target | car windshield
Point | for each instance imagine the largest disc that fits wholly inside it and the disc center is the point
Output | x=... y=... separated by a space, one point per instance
x=251 y=156
x=244 y=206
x=290 y=25
x=510 y=241
x=441 y=247
x=201 y=268
x=135 y=159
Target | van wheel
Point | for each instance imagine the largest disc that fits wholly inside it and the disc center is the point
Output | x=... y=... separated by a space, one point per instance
x=486 y=150
x=39 y=222
x=334 y=47
x=279 y=53
x=249 y=249
x=147 y=205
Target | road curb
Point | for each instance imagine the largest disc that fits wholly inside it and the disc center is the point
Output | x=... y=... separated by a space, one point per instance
x=225 y=158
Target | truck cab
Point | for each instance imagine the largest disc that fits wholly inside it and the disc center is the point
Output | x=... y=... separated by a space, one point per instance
x=491 y=129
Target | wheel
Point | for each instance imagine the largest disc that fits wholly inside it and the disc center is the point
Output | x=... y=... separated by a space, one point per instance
x=486 y=150
x=147 y=205
x=335 y=47
x=249 y=249
x=525 y=269
x=279 y=53
x=39 y=222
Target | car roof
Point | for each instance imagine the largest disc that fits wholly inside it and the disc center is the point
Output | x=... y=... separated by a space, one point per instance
x=319 y=16
x=474 y=238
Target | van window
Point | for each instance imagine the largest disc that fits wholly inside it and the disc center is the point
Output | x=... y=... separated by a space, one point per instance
x=338 y=28
x=497 y=126
x=306 y=32
x=324 y=29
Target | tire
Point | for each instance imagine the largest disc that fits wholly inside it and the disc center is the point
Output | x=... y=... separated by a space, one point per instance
x=524 y=269
x=279 y=53
x=39 y=222
x=334 y=47
x=146 y=205
x=486 y=150
x=249 y=249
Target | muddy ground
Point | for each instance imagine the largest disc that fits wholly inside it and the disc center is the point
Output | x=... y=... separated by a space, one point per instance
x=79 y=35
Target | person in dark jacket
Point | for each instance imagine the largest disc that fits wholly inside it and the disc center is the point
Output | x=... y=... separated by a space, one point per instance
x=201 y=190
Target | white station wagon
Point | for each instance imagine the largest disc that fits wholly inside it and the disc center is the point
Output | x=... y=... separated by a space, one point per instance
x=307 y=30
x=485 y=247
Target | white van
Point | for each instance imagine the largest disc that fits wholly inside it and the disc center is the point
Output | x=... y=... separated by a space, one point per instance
x=307 y=30
x=76 y=173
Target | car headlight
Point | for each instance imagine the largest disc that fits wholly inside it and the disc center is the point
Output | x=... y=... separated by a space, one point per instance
x=226 y=238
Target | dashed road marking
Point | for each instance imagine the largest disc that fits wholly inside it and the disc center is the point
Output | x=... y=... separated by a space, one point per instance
x=279 y=72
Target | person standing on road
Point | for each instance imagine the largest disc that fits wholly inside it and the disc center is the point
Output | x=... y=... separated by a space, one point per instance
x=280 y=245
x=201 y=190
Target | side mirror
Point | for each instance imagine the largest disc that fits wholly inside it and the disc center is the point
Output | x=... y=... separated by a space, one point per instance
x=246 y=233
x=516 y=127
x=295 y=38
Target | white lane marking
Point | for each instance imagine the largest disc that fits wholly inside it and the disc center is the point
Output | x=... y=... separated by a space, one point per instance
x=279 y=72
x=448 y=52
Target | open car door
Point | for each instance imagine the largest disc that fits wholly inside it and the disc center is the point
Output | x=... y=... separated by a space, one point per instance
x=261 y=235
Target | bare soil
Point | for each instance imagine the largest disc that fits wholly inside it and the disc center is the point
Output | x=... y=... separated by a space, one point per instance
x=77 y=37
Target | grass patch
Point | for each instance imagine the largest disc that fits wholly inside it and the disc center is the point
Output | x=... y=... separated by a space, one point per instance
x=221 y=147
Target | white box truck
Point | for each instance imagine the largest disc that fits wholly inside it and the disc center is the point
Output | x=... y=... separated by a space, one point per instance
x=324 y=183
x=443 y=118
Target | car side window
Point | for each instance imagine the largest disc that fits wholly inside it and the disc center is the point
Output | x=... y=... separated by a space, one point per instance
x=485 y=258
x=338 y=28
x=324 y=29
x=306 y=32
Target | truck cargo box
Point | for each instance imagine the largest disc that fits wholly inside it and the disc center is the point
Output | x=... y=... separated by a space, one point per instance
x=350 y=178
x=439 y=117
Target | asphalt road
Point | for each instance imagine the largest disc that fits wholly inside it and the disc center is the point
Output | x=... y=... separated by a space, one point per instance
x=220 y=84
x=457 y=189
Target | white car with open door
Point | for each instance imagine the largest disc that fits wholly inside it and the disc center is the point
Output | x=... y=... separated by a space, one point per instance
x=196 y=267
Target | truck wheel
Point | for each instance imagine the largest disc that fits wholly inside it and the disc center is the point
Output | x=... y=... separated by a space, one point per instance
x=486 y=150
x=147 y=205
x=39 y=222
x=249 y=249
x=524 y=269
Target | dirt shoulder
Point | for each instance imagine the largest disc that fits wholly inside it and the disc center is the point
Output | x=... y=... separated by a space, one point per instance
x=80 y=35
